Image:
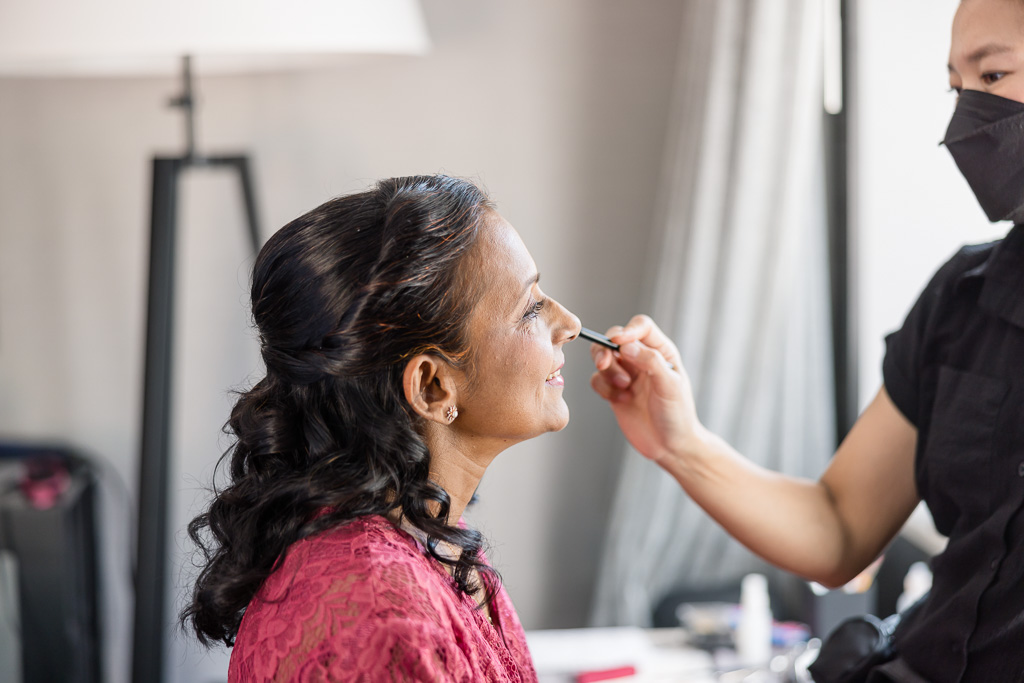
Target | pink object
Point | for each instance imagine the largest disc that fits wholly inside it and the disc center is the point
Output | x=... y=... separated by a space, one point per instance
x=363 y=603
x=606 y=675
x=44 y=482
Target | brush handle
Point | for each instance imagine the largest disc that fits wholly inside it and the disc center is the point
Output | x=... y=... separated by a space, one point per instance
x=604 y=341
x=598 y=338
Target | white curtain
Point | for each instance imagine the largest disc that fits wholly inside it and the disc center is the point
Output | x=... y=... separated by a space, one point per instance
x=741 y=284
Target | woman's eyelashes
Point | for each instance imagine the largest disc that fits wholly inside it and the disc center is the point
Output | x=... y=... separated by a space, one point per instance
x=534 y=310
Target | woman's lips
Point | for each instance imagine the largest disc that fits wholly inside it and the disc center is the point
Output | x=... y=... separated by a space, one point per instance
x=555 y=379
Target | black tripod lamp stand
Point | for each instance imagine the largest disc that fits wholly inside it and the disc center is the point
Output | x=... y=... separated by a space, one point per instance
x=154 y=470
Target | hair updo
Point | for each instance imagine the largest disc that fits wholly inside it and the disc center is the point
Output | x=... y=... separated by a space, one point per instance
x=342 y=297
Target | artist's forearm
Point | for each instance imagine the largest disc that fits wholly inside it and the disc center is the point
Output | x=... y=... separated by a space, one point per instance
x=791 y=522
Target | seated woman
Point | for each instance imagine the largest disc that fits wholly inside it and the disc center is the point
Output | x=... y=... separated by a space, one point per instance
x=406 y=343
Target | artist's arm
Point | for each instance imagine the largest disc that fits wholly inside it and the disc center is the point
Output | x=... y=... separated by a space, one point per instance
x=827 y=530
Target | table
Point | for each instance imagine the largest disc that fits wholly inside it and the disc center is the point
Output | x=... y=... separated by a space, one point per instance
x=659 y=656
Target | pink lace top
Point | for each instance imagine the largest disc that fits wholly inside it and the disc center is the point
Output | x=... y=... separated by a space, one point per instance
x=363 y=602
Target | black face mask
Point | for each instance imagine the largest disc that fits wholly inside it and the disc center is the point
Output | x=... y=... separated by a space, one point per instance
x=986 y=139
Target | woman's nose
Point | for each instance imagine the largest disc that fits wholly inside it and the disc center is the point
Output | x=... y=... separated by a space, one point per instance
x=569 y=327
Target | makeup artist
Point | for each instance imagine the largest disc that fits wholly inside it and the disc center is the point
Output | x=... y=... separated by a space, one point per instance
x=407 y=343
x=947 y=426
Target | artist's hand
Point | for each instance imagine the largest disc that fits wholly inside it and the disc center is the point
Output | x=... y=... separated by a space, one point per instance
x=652 y=402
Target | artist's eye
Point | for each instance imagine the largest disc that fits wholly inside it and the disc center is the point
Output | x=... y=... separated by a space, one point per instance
x=534 y=310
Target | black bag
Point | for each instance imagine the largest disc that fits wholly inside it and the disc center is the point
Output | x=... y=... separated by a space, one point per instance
x=858 y=645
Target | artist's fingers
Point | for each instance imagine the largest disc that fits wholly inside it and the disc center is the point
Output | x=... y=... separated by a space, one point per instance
x=640 y=328
x=605 y=362
x=601 y=383
x=617 y=374
x=602 y=356
x=643 y=329
x=638 y=357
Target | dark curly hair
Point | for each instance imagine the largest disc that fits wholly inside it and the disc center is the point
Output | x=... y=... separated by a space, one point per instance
x=342 y=297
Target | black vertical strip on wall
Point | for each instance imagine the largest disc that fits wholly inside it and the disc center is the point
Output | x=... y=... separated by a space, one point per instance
x=841 y=244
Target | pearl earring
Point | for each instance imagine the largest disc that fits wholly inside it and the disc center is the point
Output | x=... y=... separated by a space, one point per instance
x=451 y=414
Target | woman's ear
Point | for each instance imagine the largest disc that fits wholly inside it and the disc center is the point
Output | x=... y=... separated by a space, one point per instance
x=430 y=388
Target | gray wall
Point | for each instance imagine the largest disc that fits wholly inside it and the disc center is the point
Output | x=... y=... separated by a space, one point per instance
x=559 y=108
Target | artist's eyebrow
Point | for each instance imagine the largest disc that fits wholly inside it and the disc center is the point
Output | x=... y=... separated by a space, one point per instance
x=984 y=51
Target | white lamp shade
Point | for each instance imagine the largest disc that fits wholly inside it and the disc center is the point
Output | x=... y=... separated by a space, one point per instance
x=137 y=37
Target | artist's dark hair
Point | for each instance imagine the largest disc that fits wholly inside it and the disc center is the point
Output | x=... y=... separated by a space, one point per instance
x=342 y=297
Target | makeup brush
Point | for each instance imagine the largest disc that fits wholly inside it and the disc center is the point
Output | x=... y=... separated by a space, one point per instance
x=604 y=341
x=598 y=338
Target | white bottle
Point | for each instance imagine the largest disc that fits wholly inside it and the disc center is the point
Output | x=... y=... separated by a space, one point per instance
x=754 y=632
x=916 y=583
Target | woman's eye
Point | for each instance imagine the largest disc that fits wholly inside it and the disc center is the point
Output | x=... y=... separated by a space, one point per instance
x=534 y=310
x=992 y=77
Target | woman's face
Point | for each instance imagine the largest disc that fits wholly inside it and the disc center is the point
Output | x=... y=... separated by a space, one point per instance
x=516 y=333
x=987 y=50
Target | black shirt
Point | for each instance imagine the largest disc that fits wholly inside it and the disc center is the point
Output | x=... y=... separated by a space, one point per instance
x=956 y=371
